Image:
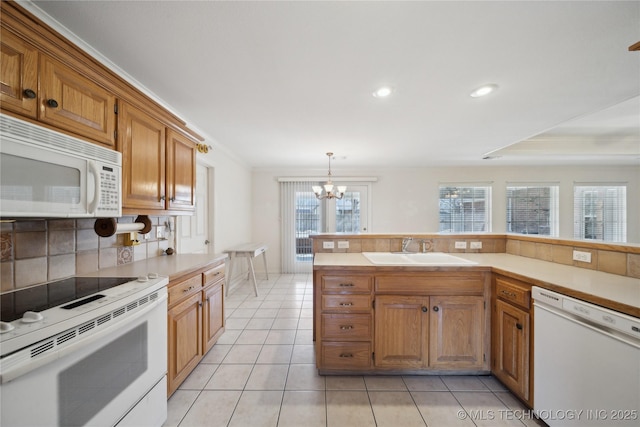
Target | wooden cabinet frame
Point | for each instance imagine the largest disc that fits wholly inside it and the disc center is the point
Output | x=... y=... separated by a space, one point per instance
x=409 y=335
x=195 y=319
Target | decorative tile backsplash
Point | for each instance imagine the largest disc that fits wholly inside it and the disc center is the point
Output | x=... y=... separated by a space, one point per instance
x=39 y=251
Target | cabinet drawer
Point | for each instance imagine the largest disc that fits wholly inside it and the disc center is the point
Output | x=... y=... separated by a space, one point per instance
x=214 y=274
x=182 y=289
x=347 y=283
x=433 y=283
x=355 y=302
x=513 y=292
x=346 y=355
x=347 y=327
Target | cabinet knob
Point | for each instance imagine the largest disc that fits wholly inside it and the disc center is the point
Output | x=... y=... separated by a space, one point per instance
x=29 y=94
x=424 y=309
x=519 y=326
x=163 y=198
x=52 y=103
x=436 y=308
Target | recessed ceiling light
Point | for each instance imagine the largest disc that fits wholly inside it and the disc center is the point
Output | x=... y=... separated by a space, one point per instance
x=382 y=92
x=483 y=90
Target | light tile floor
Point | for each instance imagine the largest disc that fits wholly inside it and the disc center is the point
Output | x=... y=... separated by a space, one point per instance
x=262 y=372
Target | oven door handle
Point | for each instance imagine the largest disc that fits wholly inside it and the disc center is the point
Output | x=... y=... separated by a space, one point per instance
x=10 y=371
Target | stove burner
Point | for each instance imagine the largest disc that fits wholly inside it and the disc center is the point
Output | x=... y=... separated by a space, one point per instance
x=38 y=298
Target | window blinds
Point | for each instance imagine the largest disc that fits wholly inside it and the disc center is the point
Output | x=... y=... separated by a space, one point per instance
x=600 y=212
x=300 y=215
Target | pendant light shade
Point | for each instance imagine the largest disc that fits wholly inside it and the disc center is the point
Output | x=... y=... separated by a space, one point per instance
x=328 y=187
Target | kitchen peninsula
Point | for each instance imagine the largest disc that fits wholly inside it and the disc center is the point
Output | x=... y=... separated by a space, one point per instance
x=430 y=319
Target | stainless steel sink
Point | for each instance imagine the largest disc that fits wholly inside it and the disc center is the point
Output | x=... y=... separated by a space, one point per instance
x=426 y=258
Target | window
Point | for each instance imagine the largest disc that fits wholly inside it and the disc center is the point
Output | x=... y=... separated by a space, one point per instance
x=465 y=209
x=302 y=214
x=600 y=212
x=532 y=209
x=348 y=213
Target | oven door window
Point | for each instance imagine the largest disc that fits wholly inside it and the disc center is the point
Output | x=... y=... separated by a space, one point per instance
x=87 y=386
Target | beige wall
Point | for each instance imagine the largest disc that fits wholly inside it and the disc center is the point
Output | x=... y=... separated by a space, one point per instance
x=406 y=200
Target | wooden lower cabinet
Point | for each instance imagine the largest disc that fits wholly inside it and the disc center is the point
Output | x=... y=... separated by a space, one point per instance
x=431 y=321
x=344 y=321
x=185 y=340
x=195 y=320
x=401 y=332
x=213 y=315
x=511 y=337
x=457 y=329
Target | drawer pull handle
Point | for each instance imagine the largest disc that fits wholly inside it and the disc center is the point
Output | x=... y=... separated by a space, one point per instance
x=217 y=273
x=346 y=304
x=29 y=93
x=188 y=289
x=346 y=355
x=346 y=327
x=346 y=285
x=509 y=294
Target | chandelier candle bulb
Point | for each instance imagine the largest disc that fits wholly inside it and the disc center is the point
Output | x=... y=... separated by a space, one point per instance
x=328 y=187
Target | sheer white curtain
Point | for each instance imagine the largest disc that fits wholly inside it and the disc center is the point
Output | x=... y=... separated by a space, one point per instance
x=300 y=215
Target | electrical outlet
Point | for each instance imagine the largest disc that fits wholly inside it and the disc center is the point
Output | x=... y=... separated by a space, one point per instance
x=343 y=245
x=582 y=256
x=475 y=245
x=328 y=245
x=461 y=245
x=159 y=232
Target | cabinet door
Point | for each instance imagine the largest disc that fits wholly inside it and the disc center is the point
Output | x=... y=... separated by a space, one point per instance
x=142 y=144
x=213 y=315
x=181 y=172
x=70 y=101
x=457 y=332
x=512 y=348
x=18 y=75
x=185 y=340
x=401 y=331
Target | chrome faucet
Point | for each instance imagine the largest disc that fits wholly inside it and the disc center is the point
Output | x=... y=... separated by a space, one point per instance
x=405 y=243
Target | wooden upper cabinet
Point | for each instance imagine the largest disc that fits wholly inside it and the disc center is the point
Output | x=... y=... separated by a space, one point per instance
x=18 y=75
x=142 y=144
x=181 y=172
x=70 y=101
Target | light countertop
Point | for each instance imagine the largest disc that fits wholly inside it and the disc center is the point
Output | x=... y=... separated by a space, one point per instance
x=616 y=292
x=172 y=266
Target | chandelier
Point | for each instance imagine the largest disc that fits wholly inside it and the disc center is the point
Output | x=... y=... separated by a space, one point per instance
x=328 y=187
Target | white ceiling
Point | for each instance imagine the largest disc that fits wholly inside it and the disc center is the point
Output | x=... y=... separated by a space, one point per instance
x=281 y=83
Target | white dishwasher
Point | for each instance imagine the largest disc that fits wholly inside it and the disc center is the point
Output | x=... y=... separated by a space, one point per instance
x=586 y=363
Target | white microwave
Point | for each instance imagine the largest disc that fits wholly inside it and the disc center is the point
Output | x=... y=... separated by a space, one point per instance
x=47 y=174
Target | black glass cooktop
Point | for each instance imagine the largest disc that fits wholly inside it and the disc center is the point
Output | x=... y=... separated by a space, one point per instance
x=39 y=298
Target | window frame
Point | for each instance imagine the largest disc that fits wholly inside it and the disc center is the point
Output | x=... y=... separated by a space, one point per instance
x=610 y=221
x=466 y=207
x=553 y=207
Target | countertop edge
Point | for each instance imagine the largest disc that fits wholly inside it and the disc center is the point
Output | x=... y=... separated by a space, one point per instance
x=498 y=263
